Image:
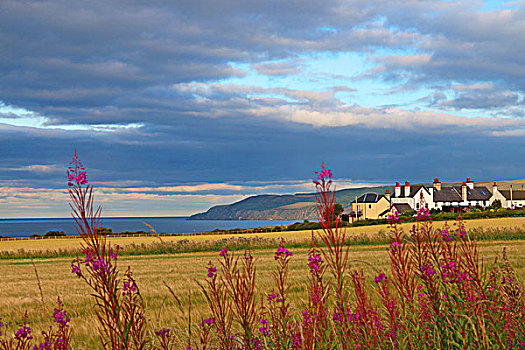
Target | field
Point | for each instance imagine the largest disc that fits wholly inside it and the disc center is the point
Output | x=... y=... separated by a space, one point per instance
x=19 y=288
x=74 y=243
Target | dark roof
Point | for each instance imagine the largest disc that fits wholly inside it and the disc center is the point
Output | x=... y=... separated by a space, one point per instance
x=447 y=194
x=475 y=194
x=384 y=212
x=369 y=197
x=454 y=194
x=480 y=193
x=516 y=195
x=402 y=207
x=413 y=190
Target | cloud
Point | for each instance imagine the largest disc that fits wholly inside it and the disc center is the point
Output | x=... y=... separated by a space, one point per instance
x=477 y=96
x=200 y=98
x=37 y=168
x=323 y=109
x=278 y=68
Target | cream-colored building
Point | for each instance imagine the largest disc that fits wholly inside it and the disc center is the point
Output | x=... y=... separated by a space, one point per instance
x=369 y=206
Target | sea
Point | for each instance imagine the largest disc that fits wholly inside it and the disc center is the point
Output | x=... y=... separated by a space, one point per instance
x=28 y=227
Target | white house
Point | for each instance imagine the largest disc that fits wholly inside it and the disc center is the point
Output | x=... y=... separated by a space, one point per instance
x=450 y=198
x=510 y=199
x=464 y=196
x=414 y=196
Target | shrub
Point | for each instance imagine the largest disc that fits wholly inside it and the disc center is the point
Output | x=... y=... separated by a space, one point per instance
x=55 y=234
x=104 y=231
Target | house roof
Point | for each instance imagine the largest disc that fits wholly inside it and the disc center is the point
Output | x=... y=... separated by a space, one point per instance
x=447 y=194
x=413 y=190
x=384 y=212
x=480 y=193
x=402 y=207
x=369 y=197
x=516 y=195
x=454 y=194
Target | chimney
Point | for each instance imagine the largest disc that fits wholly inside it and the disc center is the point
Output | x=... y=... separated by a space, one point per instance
x=397 y=190
x=407 y=189
x=437 y=185
x=387 y=195
x=494 y=187
x=470 y=183
x=464 y=191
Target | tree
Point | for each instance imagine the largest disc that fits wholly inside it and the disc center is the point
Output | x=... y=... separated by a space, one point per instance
x=55 y=234
x=104 y=230
x=338 y=209
x=496 y=204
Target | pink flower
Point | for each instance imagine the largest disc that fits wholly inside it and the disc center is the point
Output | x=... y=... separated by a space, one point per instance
x=324 y=174
x=271 y=297
x=208 y=321
x=265 y=328
x=445 y=236
x=129 y=287
x=212 y=271
x=423 y=214
x=282 y=251
x=395 y=246
x=380 y=278
x=314 y=262
x=393 y=218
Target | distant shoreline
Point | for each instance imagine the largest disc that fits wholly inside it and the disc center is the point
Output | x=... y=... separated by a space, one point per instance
x=103 y=217
x=30 y=226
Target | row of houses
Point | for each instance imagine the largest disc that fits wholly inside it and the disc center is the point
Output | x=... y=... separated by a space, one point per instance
x=446 y=198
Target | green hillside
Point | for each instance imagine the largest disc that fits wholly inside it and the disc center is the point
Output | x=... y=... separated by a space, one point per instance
x=280 y=207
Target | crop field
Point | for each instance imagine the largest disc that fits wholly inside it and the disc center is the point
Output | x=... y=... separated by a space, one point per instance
x=74 y=243
x=19 y=288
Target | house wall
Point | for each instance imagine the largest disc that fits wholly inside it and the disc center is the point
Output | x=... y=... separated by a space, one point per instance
x=506 y=203
x=519 y=203
x=440 y=205
x=372 y=210
x=403 y=200
x=497 y=195
x=427 y=197
x=415 y=200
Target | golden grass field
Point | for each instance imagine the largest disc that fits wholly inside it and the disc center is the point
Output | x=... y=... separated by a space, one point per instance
x=70 y=243
x=19 y=290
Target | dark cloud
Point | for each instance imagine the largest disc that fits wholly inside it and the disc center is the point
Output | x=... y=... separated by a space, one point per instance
x=226 y=152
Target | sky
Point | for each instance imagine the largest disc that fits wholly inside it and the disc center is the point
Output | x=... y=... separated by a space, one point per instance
x=177 y=106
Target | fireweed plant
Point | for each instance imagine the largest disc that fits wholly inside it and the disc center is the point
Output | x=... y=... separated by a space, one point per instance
x=118 y=304
x=57 y=337
x=438 y=294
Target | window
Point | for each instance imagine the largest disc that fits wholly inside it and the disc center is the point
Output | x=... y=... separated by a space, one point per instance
x=369 y=206
x=417 y=205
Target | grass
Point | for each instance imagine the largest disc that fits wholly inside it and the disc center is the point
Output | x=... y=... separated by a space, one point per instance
x=20 y=292
x=66 y=244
